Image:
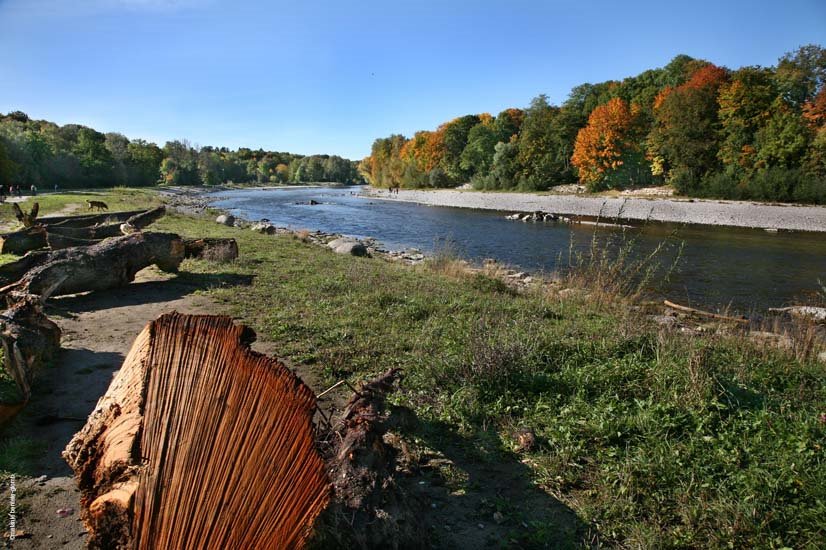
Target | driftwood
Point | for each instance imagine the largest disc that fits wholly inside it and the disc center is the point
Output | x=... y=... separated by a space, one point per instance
x=108 y=264
x=227 y=249
x=199 y=443
x=701 y=313
x=97 y=232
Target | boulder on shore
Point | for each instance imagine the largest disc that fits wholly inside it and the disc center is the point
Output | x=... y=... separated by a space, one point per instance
x=265 y=228
x=226 y=219
x=347 y=245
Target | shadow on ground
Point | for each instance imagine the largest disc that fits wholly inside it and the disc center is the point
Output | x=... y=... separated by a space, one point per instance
x=168 y=289
x=479 y=496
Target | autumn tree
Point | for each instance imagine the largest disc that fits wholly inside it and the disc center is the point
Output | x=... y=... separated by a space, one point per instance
x=745 y=106
x=605 y=153
x=683 y=142
x=455 y=140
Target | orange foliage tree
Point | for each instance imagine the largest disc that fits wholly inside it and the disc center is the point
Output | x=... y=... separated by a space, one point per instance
x=601 y=146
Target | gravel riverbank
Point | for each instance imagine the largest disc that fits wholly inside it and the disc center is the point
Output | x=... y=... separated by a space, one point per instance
x=689 y=211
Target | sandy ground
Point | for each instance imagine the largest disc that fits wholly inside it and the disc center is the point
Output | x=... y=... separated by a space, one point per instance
x=690 y=211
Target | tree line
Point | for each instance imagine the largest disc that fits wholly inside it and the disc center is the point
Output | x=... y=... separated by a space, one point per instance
x=751 y=133
x=42 y=153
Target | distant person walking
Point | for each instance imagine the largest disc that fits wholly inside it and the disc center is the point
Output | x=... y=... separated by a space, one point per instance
x=19 y=192
x=34 y=190
x=55 y=188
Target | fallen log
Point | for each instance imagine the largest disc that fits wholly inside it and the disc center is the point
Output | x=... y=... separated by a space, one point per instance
x=701 y=313
x=199 y=443
x=86 y=220
x=20 y=242
x=131 y=225
x=57 y=242
x=224 y=249
x=108 y=264
x=13 y=271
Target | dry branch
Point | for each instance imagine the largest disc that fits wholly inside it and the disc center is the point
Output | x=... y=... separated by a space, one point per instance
x=199 y=443
x=28 y=220
x=702 y=313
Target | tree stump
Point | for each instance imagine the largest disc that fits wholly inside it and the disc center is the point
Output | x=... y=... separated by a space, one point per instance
x=199 y=442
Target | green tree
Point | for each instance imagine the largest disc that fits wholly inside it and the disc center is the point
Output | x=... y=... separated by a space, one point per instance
x=95 y=159
x=801 y=74
x=477 y=157
x=784 y=138
x=455 y=140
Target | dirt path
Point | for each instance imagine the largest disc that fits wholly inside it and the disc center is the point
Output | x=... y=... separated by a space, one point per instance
x=98 y=330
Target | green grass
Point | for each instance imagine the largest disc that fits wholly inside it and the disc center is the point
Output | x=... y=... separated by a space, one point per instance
x=116 y=199
x=655 y=440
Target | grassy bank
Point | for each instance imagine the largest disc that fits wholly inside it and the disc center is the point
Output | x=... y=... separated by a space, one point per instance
x=653 y=438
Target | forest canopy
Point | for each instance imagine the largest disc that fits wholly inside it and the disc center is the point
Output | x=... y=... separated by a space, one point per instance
x=709 y=131
x=41 y=153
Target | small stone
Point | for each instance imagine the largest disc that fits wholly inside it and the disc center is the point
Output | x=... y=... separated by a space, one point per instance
x=481 y=526
x=65 y=512
x=498 y=517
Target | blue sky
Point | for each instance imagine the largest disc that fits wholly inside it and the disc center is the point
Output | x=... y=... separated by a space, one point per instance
x=330 y=77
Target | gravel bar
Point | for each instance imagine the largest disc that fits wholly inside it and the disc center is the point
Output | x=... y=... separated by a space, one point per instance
x=789 y=217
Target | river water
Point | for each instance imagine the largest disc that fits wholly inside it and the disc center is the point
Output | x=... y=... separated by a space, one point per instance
x=716 y=267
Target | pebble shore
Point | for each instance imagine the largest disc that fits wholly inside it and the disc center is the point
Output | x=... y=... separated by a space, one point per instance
x=771 y=217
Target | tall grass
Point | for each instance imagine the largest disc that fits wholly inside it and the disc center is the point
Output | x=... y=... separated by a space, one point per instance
x=615 y=266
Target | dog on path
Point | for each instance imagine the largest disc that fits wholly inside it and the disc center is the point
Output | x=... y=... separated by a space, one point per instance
x=97 y=205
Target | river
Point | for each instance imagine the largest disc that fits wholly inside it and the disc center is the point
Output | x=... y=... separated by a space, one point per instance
x=718 y=267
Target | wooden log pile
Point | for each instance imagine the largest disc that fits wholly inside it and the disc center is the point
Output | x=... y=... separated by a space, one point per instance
x=200 y=443
x=87 y=253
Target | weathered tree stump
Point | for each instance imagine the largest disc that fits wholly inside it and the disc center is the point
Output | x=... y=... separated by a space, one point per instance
x=199 y=443
x=30 y=340
x=227 y=249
